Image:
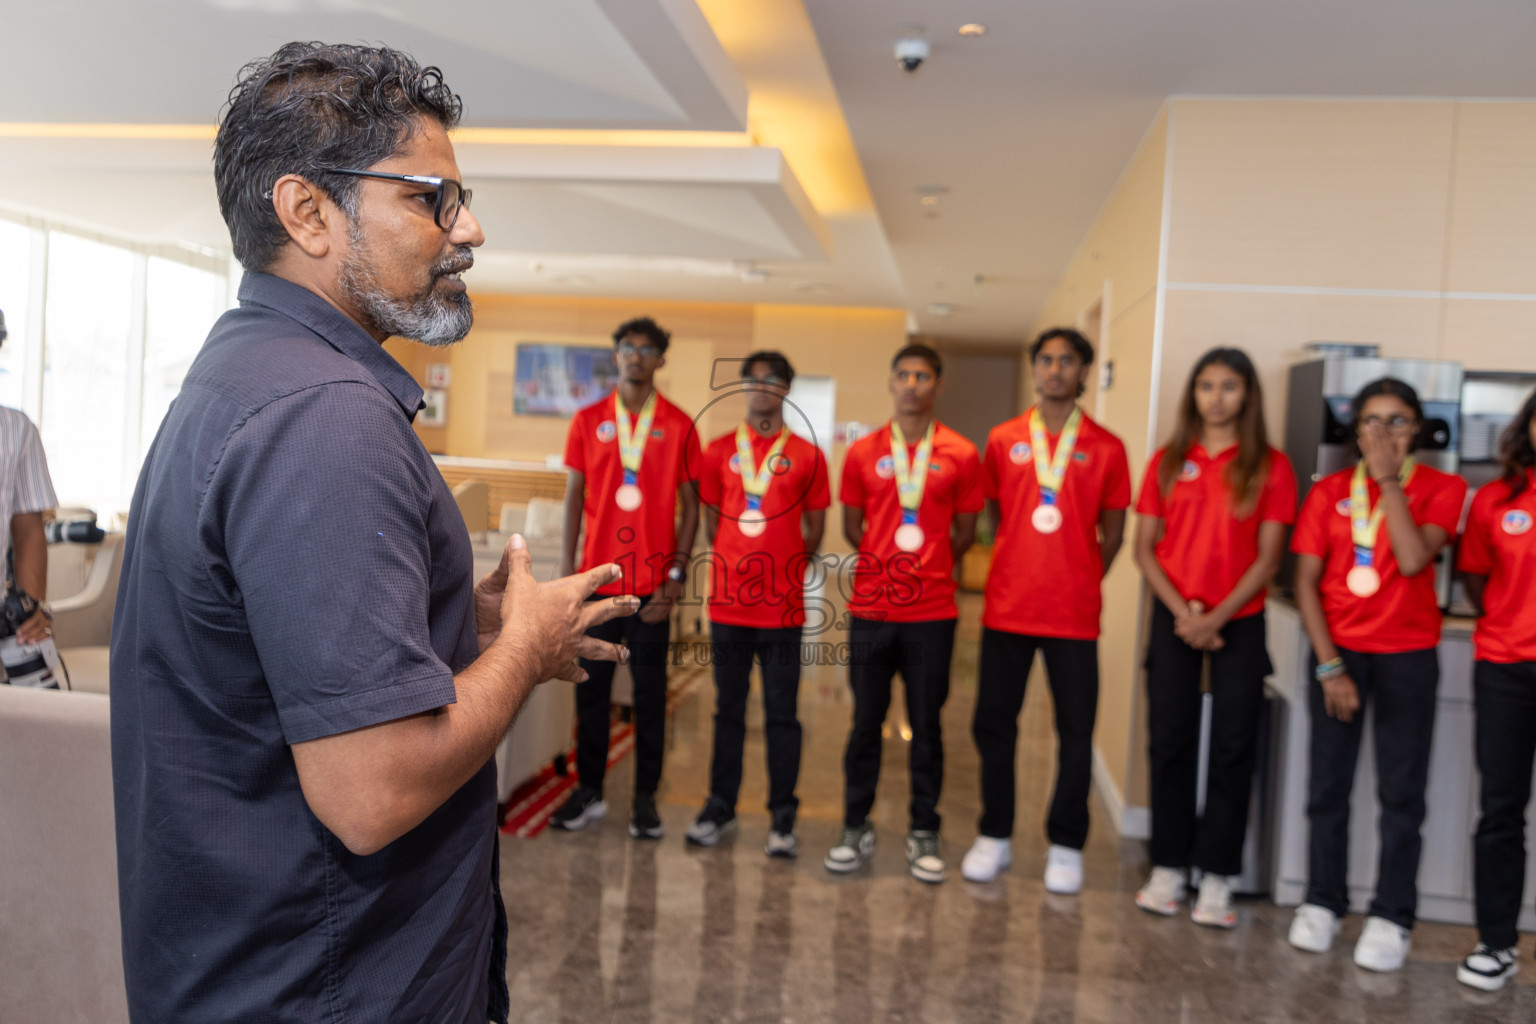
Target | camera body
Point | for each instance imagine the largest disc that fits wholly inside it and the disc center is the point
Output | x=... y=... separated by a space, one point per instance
x=32 y=665
x=910 y=53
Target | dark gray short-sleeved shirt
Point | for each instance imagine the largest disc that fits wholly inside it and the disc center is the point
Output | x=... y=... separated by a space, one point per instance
x=295 y=568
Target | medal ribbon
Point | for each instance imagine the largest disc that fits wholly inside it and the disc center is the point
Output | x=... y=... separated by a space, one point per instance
x=1365 y=521
x=912 y=478
x=1053 y=476
x=755 y=479
x=632 y=446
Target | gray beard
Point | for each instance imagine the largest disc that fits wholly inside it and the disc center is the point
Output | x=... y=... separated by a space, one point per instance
x=430 y=319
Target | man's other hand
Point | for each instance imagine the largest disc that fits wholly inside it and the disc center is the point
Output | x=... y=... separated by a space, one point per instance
x=548 y=622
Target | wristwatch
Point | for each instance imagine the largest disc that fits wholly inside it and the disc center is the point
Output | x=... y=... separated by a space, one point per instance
x=677 y=574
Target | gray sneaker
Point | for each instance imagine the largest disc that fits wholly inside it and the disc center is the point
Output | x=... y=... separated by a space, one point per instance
x=782 y=844
x=923 y=859
x=714 y=823
x=852 y=849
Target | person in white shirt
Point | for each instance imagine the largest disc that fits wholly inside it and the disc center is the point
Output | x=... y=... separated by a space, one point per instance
x=26 y=492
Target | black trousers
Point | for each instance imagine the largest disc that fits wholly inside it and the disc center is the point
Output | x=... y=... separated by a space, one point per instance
x=1506 y=750
x=647 y=644
x=921 y=652
x=733 y=650
x=1212 y=841
x=1072 y=670
x=1402 y=689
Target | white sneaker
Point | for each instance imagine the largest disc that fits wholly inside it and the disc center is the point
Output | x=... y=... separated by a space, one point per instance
x=852 y=850
x=1314 y=928
x=1383 y=946
x=1214 y=907
x=924 y=862
x=986 y=857
x=1487 y=968
x=1064 y=871
x=1163 y=891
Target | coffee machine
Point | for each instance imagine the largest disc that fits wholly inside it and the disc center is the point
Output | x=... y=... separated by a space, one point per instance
x=1318 y=415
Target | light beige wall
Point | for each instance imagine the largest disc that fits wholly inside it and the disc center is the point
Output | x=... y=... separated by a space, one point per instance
x=1409 y=224
x=1118 y=264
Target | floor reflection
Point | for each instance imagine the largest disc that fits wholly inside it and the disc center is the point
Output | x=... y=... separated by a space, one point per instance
x=605 y=928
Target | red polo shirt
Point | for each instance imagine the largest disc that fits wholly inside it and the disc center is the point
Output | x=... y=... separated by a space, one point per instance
x=1500 y=543
x=907 y=586
x=1404 y=615
x=1047 y=584
x=760 y=581
x=642 y=542
x=1206 y=548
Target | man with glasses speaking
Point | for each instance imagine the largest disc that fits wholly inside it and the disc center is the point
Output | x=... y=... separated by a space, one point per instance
x=307 y=686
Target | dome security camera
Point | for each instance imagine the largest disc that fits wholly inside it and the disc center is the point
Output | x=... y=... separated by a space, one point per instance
x=910 y=54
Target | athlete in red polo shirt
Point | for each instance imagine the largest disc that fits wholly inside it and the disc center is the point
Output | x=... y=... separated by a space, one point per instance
x=632 y=457
x=765 y=497
x=910 y=494
x=1213 y=510
x=1367 y=538
x=1057 y=486
x=1498 y=564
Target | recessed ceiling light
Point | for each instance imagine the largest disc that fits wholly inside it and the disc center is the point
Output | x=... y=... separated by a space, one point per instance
x=753 y=275
x=813 y=287
x=929 y=200
x=931 y=190
x=941 y=308
x=973 y=29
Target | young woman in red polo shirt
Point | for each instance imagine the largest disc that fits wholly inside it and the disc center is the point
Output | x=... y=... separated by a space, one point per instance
x=1213 y=510
x=1367 y=538
x=1498 y=564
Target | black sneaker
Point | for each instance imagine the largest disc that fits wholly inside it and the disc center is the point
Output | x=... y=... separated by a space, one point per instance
x=714 y=823
x=1487 y=969
x=583 y=806
x=644 y=822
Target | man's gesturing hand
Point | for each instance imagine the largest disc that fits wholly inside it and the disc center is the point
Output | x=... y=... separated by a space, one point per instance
x=546 y=623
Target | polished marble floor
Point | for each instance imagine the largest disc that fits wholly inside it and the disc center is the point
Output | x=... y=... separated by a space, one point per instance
x=605 y=928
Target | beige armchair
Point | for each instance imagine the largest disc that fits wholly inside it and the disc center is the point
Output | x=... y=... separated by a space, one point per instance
x=82 y=622
x=474 y=500
x=60 y=937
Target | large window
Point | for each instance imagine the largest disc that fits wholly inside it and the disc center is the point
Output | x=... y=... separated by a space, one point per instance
x=101 y=336
x=16 y=284
x=88 y=331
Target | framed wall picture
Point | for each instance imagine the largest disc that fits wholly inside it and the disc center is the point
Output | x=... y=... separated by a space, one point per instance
x=557 y=380
x=436 y=412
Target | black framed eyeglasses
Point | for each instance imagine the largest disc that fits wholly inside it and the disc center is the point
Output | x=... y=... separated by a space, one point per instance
x=452 y=196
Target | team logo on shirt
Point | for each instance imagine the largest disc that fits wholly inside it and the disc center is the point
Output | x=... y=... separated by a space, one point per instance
x=1019 y=454
x=780 y=464
x=735 y=463
x=885 y=468
x=657 y=433
x=1516 y=522
x=1342 y=508
x=1190 y=472
x=606 y=431
x=1080 y=457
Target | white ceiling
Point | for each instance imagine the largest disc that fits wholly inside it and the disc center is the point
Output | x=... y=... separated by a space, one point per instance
x=1030 y=125
x=1027 y=126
